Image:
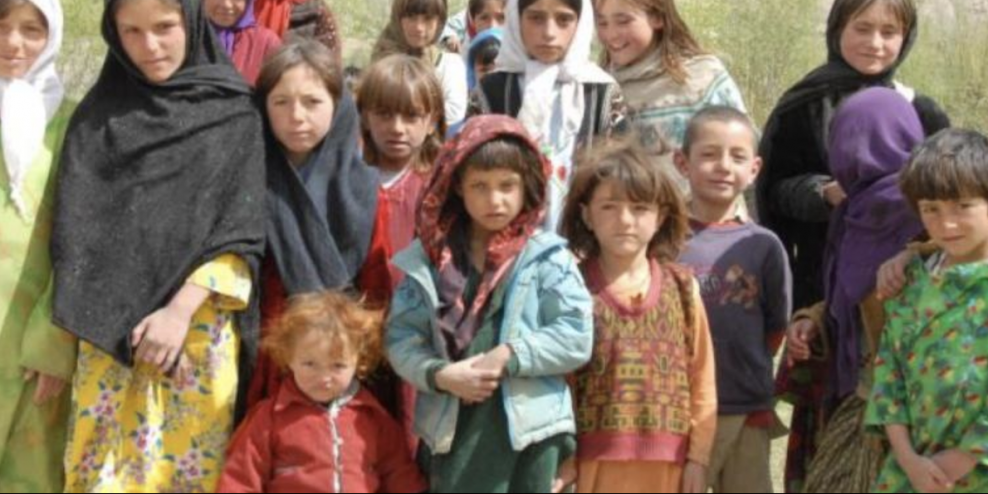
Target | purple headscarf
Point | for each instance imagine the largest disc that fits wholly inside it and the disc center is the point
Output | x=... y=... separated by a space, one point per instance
x=226 y=35
x=871 y=139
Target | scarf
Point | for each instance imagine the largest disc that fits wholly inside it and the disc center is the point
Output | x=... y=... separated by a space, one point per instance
x=28 y=104
x=493 y=33
x=319 y=229
x=874 y=133
x=458 y=322
x=155 y=181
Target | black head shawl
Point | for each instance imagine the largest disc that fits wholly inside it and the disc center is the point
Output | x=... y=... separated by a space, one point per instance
x=155 y=180
x=834 y=77
x=319 y=229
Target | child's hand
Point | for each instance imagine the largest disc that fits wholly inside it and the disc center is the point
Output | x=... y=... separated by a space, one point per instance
x=159 y=338
x=800 y=335
x=925 y=475
x=49 y=387
x=566 y=476
x=892 y=276
x=468 y=383
x=834 y=194
x=956 y=464
x=694 y=478
x=496 y=360
x=452 y=44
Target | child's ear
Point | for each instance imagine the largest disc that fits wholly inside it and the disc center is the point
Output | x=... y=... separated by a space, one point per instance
x=585 y=213
x=756 y=167
x=682 y=162
x=656 y=23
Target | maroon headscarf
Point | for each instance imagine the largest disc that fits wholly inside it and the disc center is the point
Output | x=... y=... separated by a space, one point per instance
x=458 y=322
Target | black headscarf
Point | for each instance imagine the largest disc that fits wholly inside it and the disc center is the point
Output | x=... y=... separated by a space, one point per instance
x=836 y=77
x=155 y=181
x=319 y=228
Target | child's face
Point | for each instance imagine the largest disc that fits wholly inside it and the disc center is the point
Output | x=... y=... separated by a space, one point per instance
x=398 y=137
x=300 y=110
x=547 y=30
x=872 y=41
x=225 y=13
x=959 y=227
x=420 y=31
x=23 y=36
x=627 y=32
x=493 y=198
x=320 y=373
x=153 y=36
x=722 y=162
x=623 y=227
x=492 y=16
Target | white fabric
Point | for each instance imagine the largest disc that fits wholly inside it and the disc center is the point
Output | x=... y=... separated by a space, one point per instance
x=544 y=84
x=452 y=73
x=28 y=104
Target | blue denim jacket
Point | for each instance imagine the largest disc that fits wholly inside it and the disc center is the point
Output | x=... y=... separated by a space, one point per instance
x=548 y=321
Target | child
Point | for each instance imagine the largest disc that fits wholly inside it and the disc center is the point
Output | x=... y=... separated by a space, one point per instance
x=931 y=377
x=547 y=81
x=872 y=136
x=796 y=192
x=414 y=30
x=322 y=432
x=647 y=403
x=665 y=75
x=491 y=317
x=746 y=285
x=37 y=359
x=401 y=108
x=482 y=55
x=245 y=42
x=463 y=28
x=320 y=192
x=155 y=254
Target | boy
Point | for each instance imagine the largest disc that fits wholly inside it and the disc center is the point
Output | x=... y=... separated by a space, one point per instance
x=746 y=285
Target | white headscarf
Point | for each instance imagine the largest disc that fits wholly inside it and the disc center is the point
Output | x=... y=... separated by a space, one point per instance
x=540 y=79
x=29 y=103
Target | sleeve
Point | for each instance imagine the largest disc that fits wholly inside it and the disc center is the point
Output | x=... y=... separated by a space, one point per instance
x=777 y=278
x=703 y=387
x=398 y=471
x=888 y=405
x=45 y=347
x=618 y=122
x=409 y=338
x=931 y=115
x=456 y=26
x=727 y=93
x=975 y=439
x=455 y=90
x=798 y=170
x=228 y=278
x=564 y=341
x=249 y=460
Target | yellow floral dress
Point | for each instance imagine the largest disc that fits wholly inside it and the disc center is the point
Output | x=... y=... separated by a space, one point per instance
x=136 y=431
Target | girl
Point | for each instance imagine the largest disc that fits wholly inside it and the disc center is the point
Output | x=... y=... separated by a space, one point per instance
x=327 y=340
x=930 y=373
x=647 y=403
x=491 y=316
x=309 y=19
x=665 y=76
x=547 y=81
x=320 y=192
x=36 y=358
x=401 y=108
x=414 y=30
x=247 y=43
x=867 y=41
x=155 y=253
x=872 y=136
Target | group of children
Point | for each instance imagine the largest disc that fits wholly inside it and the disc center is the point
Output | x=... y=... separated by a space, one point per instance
x=564 y=292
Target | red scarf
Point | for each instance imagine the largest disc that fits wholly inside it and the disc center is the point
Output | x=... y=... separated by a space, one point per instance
x=458 y=322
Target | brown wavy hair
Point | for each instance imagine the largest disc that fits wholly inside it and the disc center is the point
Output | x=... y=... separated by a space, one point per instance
x=345 y=321
x=675 y=40
x=624 y=162
x=404 y=85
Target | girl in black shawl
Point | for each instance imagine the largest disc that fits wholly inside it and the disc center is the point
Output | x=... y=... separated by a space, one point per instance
x=867 y=41
x=322 y=198
x=158 y=232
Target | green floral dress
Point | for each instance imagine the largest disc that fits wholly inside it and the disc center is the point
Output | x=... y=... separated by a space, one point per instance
x=931 y=373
